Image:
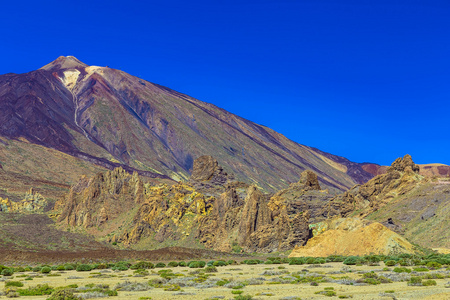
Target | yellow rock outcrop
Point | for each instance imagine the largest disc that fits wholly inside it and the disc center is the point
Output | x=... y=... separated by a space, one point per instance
x=352 y=236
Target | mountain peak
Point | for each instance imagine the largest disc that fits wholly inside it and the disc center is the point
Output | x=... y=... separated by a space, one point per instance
x=65 y=62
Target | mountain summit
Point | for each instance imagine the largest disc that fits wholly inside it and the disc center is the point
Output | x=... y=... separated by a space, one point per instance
x=109 y=118
x=64 y=62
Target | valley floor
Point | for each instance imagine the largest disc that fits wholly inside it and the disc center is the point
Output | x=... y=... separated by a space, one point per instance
x=260 y=281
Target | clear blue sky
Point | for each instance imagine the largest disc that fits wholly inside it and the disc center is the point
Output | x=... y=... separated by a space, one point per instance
x=368 y=80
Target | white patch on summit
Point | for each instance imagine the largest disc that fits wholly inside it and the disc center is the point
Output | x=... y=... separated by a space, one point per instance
x=70 y=78
x=94 y=69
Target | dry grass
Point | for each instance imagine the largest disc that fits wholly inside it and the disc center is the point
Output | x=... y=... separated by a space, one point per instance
x=197 y=286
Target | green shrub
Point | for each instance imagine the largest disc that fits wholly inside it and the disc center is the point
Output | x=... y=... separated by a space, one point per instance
x=60 y=268
x=402 y=270
x=7 y=272
x=433 y=276
x=160 y=265
x=101 y=266
x=13 y=283
x=121 y=266
x=39 y=290
x=69 y=267
x=194 y=264
x=173 y=264
x=390 y=263
x=231 y=262
x=46 y=270
x=429 y=282
x=84 y=268
x=336 y=258
x=219 y=263
x=433 y=264
x=210 y=269
x=296 y=261
x=36 y=269
x=182 y=264
x=415 y=280
x=351 y=260
x=222 y=282
x=141 y=265
x=420 y=269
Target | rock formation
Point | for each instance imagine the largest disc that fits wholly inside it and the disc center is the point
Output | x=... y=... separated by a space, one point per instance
x=260 y=222
x=211 y=209
x=91 y=202
x=32 y=202
x=401 y=177
x=352 y=236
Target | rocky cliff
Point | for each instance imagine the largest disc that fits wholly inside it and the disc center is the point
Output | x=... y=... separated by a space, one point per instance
x=212 y=209
x=400 y=178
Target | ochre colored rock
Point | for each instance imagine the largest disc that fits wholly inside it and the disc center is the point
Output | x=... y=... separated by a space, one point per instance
x=401 y=177
x=220 y=213
x=352 y=236
x=33 y=202
x=308 y=181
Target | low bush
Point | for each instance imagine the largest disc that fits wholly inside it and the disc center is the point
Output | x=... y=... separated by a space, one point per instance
x=84 y=268
x=141 y=265
x=36 y=269
x=39 y=290
x=13 y=283
x=121 y=266
x=402 y=270
x=390 y=263
x=19 y=269
x=429 y=282
x=172 y=264
x=194 y=264
x=351 y=260
x=296 y=261
x=46 y=270
x=433 y=265
x=415 y=280
x=219 y=263
x=101 y=266
x=160 y=265
x=210 y=269
x=7 y=272
x=60 y=268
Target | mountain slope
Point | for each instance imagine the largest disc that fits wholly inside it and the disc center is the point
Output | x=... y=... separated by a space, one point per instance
x=110 y=118
x=411 y=204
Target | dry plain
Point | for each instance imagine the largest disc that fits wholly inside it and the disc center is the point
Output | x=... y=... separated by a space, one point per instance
x=260 y=281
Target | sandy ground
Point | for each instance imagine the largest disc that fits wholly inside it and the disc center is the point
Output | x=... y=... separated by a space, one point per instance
x=264 y=291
